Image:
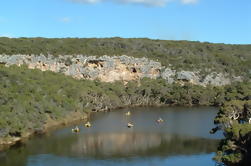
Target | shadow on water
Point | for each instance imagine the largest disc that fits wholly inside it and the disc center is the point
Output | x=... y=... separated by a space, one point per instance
x=183 y=133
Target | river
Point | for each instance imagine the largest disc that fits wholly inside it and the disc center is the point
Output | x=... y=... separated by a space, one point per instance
x=182 y=139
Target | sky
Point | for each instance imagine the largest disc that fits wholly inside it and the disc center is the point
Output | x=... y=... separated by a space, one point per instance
x=217 y=21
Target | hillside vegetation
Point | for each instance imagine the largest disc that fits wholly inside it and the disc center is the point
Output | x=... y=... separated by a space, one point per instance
x=186 y=55
x=31 y=98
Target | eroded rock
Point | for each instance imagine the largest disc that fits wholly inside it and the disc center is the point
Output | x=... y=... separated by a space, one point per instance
x=114 y=68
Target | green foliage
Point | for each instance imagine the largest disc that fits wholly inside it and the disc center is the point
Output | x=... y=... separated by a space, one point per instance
x=29 y=99
x=185 y=55
x=233 y=118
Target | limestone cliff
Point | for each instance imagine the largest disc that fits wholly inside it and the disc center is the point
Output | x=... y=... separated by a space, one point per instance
x=115 y=68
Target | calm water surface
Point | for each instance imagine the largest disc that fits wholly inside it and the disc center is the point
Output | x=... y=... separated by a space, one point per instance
x=182 y=140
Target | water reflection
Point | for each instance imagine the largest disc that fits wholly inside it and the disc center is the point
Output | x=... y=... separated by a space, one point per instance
x=108 y=146
x=185 y=132
x=140 y=144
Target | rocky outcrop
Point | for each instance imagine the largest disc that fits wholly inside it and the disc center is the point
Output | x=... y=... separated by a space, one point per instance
x=115 y=68
x=218 y=79
x=168 y=75
x=188 y=76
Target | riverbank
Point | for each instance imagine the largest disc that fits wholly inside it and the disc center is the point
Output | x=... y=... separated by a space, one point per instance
x=32 y=101
x=109 y=138
x=49 y=126
x=73 y=118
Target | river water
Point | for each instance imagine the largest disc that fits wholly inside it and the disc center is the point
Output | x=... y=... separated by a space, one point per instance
x=183 y=139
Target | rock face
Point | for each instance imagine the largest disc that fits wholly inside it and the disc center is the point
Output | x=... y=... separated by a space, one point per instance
x=168 y=75
x=217 y=79
x=116 y=68
x=188 y=76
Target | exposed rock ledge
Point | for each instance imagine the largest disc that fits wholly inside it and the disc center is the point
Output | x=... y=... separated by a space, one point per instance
x=110 y=69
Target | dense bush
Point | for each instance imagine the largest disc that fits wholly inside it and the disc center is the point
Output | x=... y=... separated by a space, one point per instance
x=29 y=98
x=182 y=55
x=234 y=119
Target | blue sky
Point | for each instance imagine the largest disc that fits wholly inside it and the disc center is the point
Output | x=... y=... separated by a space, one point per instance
x=218 y=21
